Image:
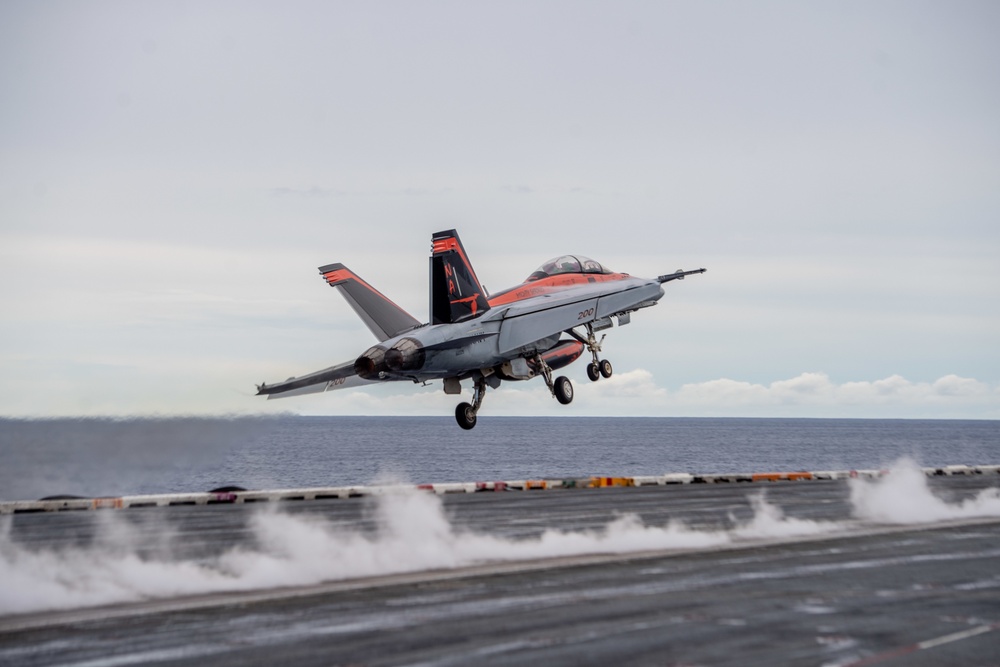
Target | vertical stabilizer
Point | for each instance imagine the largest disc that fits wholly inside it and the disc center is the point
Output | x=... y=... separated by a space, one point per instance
x=384 y=318
x=456 y=294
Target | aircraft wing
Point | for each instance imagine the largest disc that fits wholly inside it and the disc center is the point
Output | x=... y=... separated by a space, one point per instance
x=538 y=317
x=341 y=376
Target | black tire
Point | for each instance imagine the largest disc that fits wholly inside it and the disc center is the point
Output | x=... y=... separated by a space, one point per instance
x=564 y=390
x=465 y=417
x=593 y=372
x=606 y=369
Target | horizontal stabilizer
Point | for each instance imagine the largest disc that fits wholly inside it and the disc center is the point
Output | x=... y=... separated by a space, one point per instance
x=335 y=375
x=342 y=383
x=382 y=317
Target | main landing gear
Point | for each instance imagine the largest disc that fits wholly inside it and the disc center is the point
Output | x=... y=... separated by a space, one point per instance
x=560 y=387
x=597 y=368
x=465 y=413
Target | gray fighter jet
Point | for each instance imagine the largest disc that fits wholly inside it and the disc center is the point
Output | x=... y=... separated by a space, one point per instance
x=535 y=328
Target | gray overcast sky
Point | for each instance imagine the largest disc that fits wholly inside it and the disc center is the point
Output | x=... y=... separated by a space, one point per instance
x=172 y=173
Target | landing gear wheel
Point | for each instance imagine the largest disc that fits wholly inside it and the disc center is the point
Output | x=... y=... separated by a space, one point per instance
x=564 y=390
x=606 y=368
x=593 y=372
x=465 y=416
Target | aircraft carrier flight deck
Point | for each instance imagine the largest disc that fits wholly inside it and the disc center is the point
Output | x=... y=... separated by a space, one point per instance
x=692 y=574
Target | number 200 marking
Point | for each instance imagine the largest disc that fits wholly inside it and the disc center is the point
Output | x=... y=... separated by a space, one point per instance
x=585 y=314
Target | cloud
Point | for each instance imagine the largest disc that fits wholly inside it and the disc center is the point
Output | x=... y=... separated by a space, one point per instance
x=636 y=393
x=816 y=393
x=952 y=385
x=637 y=383
x=724 y=391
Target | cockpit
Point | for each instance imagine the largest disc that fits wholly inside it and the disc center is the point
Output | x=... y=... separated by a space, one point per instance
x=567 y=264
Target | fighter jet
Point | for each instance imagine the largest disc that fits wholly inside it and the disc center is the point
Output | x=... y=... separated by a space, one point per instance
x=533 y=329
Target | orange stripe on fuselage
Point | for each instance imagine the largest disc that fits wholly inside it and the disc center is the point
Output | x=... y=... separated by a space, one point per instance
x=550 y=285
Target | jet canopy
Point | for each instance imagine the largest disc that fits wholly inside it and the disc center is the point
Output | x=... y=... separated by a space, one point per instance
x=567 y=264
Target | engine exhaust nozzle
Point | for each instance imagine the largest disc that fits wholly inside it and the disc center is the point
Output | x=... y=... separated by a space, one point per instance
x=371 y=364
x=406 y=355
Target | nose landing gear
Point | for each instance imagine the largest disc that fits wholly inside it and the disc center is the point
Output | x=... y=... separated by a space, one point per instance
x=597 y=368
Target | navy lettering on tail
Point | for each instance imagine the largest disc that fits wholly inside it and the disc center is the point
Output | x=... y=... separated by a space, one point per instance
x=456 y=294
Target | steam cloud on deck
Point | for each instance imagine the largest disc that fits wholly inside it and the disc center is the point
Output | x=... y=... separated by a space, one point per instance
x=413 y=534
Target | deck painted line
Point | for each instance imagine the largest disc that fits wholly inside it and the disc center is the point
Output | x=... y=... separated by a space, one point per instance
x=926 y=644
x=954 y=637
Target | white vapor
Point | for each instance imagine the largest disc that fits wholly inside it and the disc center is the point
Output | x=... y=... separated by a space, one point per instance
x=413 y=534
x=903 y=498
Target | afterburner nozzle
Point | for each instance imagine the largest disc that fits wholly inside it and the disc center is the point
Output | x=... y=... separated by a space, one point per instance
x=406 y=355
x=371 y=364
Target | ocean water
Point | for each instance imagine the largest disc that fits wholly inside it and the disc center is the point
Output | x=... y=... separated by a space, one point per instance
x=95 y=457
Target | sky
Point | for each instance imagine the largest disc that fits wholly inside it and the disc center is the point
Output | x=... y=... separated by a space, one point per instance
x=172 y=173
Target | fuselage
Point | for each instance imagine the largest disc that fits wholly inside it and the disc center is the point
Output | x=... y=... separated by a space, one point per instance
x=551 y=285
x=503 y=333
